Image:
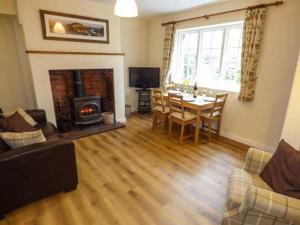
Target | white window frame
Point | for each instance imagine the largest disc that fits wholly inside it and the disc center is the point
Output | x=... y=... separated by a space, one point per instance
x=200 y=30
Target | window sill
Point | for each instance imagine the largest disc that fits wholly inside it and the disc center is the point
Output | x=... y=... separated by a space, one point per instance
x=217 y=88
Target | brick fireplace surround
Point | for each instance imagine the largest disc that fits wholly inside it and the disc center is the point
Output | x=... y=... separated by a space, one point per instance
x=97 y=82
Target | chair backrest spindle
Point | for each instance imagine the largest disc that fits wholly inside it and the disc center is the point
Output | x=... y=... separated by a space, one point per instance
x=157 y=99
x=219 y=104
x=176 y=104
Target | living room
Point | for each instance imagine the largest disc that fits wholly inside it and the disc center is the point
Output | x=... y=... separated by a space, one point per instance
x=105 y=158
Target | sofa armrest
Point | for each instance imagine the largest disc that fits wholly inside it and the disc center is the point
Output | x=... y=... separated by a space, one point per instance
x=256 y=160
x=35 y=149
x=39 y=115
x=271 y=203
x=36 y=171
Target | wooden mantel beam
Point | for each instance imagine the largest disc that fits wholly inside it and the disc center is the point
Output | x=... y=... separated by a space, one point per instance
x=74 y=53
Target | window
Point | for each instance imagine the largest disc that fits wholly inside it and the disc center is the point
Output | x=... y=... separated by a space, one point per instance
x=210 y=56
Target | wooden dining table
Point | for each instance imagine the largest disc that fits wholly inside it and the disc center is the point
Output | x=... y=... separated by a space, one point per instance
x=198 y=105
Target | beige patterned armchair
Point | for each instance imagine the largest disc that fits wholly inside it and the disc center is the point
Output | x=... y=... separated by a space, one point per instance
x=252 y=201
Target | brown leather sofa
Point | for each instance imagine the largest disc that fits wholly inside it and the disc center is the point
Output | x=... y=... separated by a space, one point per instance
x=36 y=171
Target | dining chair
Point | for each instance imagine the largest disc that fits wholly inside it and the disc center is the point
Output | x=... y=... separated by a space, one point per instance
x=170 y=87
x=214 y=115
x=179 y=116
x=160 y=108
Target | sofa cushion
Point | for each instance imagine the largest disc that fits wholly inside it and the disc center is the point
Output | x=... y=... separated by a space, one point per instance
x=25 y=115
x=15 y=123
x=48 y=129
x=239 y=182
x=3 y=146
x=16 y=140
x=39 y=115
x=282 y=171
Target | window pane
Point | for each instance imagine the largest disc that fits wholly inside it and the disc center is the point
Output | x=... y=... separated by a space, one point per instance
x=231 y=73
x=187 y=58
x=189 y=64
x=216 y=64
x=217 y=39
x=231 y=65
x=206 y=39
x=210 y=56
x=212 y=39
x=190 y=41
x=209 y=63
x=234 y=38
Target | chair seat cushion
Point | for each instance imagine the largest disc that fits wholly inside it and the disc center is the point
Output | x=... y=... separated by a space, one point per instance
x=187 y=116
x=207 y=114
x=239 y=182
x=160 y=109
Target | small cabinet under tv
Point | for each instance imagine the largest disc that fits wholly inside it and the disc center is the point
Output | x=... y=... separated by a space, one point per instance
x=144 y=104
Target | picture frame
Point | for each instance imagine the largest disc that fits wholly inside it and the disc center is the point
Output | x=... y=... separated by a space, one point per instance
x=68 y=27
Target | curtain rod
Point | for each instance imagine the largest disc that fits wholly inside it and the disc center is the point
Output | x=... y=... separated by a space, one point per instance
x=277 y=3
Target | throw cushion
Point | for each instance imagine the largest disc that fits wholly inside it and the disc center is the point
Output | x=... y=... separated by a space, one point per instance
x=15 y=123
x=16 y=140
x=281 y=173
x=25 y=115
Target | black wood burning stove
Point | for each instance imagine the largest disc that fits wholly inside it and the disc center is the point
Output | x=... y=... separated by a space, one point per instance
x=86 y=108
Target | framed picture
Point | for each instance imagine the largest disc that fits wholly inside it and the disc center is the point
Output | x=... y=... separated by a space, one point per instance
x=68 y=27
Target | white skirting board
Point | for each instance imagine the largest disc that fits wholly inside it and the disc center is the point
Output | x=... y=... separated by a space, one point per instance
x=247 y=142
x=121 y=120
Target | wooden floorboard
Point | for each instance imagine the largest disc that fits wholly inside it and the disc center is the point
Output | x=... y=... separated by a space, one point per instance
x=136 y=176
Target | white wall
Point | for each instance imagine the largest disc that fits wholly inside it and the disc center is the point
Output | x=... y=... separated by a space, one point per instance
x=8 y=7
x=28 y=14
x=12 y=87
x=258 y=123
x=29 y=17
x=291 y=128
x=135 y=46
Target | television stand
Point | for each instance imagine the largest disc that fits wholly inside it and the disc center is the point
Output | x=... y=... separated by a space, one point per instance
x=144 y=103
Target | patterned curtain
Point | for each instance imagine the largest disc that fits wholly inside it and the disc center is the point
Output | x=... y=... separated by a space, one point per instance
x=252 y=39
x=167 y=57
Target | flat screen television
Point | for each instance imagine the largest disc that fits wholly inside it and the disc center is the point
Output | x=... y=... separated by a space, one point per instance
x=144 y=77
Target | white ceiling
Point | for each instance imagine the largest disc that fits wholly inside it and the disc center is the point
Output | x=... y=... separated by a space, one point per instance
x=156 y=7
